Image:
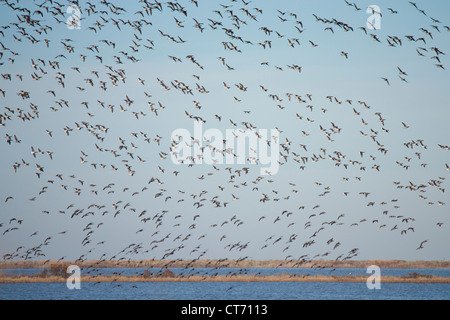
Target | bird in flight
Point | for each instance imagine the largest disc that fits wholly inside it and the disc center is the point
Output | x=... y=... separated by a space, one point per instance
x=89 y=141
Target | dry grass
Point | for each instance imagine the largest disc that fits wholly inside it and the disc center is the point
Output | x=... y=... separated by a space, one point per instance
x=206 y=263
x=415 y=278
x=55 y=272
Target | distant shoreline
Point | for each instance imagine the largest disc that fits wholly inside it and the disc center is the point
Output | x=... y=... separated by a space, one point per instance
x=55 y=271
x=225 y=263
x=418 y=278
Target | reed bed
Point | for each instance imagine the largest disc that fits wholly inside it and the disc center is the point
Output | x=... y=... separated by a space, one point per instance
x=224 y=278
x=208 y=263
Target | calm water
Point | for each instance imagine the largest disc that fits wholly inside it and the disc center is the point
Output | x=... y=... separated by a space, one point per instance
x=224 y=291
x=232 y=290
x=261 y=271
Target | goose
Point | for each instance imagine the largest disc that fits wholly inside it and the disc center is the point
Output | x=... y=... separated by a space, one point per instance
x=401 y=71
x=421 y=245
x=392 y=11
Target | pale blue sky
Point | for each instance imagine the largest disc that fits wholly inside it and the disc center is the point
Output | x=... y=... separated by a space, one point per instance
x=422 y=104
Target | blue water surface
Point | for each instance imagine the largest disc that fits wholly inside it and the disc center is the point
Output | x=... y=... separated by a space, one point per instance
x=233 y=290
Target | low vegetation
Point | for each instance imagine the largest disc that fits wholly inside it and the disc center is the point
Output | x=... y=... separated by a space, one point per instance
x=207 y=263
x=51 y=271
x=170 y=277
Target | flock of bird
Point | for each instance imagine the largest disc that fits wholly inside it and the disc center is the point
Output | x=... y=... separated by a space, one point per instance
x=151 y=208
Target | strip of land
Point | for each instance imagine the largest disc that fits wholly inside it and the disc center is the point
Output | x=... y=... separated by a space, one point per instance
x=55 y=271
x=416 y=278
x=226 y=263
